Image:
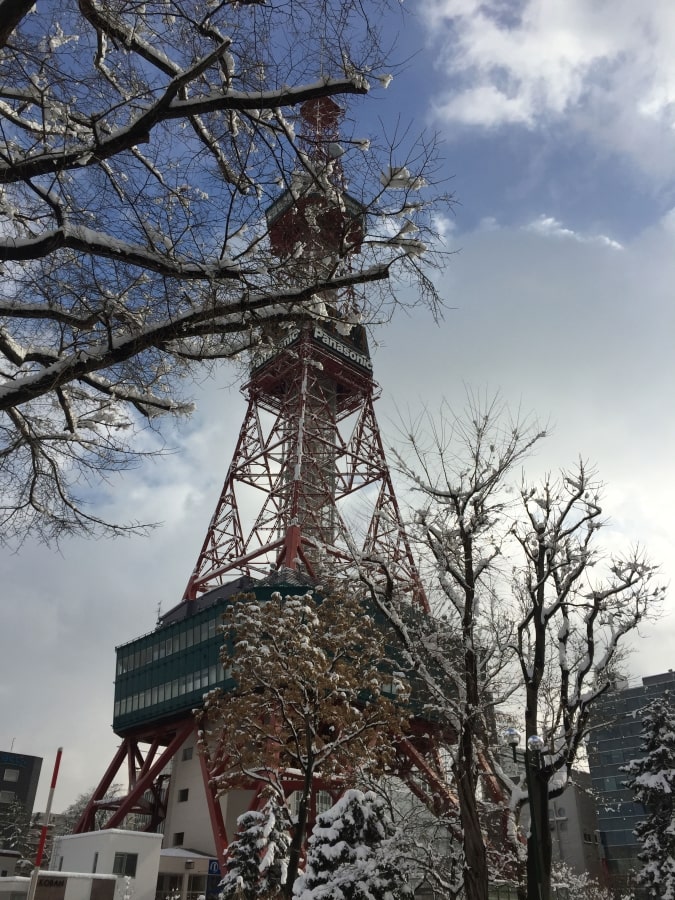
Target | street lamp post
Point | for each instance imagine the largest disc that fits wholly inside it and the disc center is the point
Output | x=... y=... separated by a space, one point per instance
x=533 y=768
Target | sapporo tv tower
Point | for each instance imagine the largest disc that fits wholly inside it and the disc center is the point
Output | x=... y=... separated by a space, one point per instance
x=308 y=465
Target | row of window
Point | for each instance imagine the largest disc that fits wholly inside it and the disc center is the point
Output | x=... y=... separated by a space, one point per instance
x=323 y=803
x=160 y=693
x=170 y=885
x=130 y=659
x=618 y=755
x=611 y=783
x=620 y=838
x=123 y=864
x=621 y=811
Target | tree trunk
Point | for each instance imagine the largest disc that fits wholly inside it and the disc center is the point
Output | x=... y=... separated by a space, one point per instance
x=475 y=856
x=298 y=839
x=539 y=845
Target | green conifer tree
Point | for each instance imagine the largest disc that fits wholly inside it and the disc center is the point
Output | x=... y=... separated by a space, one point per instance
x=652 y=778
x=258 y=857
x=354 y=854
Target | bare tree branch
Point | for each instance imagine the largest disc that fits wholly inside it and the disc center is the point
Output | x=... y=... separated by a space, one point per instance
x=149 y=158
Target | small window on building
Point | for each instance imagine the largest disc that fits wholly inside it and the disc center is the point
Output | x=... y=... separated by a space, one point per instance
x=293 y=803
x=178 y=838
x=187 y=753
x=324 y=801
x=95 y=863
x=11 y=775
x=125 y=864
x=183 y=795
x=7 y=796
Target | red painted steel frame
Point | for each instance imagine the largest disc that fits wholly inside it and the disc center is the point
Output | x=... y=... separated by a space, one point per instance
x=309 y=461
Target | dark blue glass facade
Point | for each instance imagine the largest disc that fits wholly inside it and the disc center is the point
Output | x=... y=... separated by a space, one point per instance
x=615 y=739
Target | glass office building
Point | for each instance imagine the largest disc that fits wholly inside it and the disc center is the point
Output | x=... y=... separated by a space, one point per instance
x=615 y=739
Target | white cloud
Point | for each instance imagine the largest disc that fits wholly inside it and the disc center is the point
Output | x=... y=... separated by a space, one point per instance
x=581 y=335
x=549 y=226
x=668 y=222
x=443 y=227
x=607 y=67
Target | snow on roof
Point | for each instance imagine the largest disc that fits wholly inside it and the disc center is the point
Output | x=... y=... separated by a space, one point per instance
x=184 y=853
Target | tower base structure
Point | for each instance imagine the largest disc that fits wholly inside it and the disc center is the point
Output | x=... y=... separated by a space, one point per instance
x=161 y=680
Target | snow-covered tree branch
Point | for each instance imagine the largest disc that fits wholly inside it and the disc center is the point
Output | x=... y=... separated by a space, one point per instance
x=142 y=148
x=310 y=706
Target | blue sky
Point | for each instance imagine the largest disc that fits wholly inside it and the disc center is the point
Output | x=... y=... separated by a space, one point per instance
x=566 y=108
x=558 y=129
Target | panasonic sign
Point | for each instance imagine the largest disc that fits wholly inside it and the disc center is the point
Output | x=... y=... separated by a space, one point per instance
x=334 y=343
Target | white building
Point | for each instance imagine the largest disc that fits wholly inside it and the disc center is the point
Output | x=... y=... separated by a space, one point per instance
x=132 y=856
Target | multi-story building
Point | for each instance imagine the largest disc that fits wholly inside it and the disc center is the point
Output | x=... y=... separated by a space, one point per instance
x=572 y=820
x=615 y=739
x=19 y=775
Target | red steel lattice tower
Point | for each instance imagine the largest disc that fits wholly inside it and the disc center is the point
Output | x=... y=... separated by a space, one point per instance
x=309 y=461
x=308 y=490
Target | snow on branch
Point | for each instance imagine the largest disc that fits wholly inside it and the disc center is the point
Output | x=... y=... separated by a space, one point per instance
x=142 y=157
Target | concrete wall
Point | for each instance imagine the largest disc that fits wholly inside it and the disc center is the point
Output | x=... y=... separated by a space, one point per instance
x=61 y=886
x=96 y=851
x=190 y=817
x=8 y=861
x=188 y=823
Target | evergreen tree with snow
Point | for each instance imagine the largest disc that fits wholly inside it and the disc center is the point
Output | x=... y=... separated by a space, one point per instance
x=258 y=857
x=354 y=854
x=15 y=827
x=575 y=885
x=652 y=778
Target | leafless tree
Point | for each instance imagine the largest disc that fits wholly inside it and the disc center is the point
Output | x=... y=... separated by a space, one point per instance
x=533 y=617
x=141 y=147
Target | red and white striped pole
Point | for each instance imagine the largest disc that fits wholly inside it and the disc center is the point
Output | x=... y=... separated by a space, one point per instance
x=48 y=810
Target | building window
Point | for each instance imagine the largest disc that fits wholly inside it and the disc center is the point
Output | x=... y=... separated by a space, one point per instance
x=187 y=753
x=125 y=864
x=324 y=801
x=11 y=775
x=178 y=838
x=7 y=796
x=183 y=795
x=293 y=803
